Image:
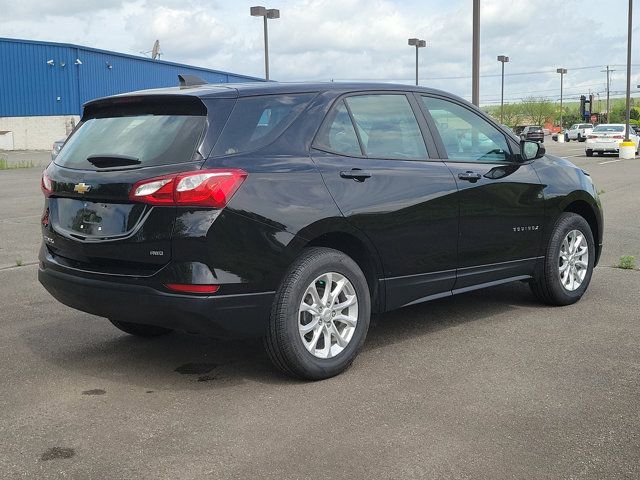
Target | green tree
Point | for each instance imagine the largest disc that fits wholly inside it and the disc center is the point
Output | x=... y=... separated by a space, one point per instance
x=537 y=111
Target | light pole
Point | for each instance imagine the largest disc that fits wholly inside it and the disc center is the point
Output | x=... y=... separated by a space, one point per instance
x=562 y=72
x=628 y=112
x=265 y=13
x=502 y=59
x=475 y=54
x=418 y=44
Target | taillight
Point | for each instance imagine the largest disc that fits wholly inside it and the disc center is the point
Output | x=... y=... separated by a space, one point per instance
x=592 y=136
x=190 y=288
x=46 y=185
x=619 y=137
x=201 y=188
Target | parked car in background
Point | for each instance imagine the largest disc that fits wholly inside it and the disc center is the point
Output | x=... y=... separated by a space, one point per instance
x=578 y=131
x=293 y=212
x=606 y=138
x=533 y=133
x=55 y=149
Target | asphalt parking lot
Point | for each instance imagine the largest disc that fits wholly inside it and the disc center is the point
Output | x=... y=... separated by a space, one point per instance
x=485 y=385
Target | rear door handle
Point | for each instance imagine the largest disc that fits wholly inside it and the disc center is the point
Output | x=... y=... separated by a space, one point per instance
x=469 y=176
x=356 y=174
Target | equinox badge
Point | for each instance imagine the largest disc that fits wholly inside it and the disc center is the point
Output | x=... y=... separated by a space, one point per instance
x=81 y=188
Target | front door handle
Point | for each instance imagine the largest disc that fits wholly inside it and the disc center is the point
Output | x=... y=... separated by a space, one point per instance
x=356 y=174
x=469 y=176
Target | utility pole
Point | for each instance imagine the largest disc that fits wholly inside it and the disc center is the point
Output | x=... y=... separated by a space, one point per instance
x=608 y=70
x=475 y=67
x=562 y=72
x=628 y=112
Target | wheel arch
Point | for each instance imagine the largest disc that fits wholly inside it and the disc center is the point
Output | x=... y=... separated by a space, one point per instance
x=586 y=210
x=361 y=251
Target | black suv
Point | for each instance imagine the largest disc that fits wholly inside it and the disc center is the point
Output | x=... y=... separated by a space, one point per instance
x=295 y=211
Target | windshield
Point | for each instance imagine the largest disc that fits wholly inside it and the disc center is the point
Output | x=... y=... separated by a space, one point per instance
x=608 y=128
x=139 y=140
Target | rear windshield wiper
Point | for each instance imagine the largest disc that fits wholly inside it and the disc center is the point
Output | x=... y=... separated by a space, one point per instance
x=112 y=161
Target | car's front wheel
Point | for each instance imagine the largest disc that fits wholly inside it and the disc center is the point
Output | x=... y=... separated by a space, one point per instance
x=140 y=330
x=589 y=153
x=320 y=316
x=566 y=270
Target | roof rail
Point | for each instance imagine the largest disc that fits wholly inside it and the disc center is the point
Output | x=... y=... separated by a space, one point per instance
x=187 y=81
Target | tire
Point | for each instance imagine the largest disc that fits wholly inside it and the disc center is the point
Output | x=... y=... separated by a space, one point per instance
x=548 y=284
x=286 y=345
x=567 y=139
x=139 y=329
x=589 y=153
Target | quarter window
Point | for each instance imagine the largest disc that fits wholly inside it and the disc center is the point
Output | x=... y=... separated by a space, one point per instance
x=387 y=126
x=466 y=136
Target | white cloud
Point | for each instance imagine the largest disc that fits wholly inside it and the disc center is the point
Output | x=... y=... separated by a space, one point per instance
x=353 y=39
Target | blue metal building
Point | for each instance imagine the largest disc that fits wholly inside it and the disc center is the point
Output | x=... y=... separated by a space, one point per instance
x=48 y=79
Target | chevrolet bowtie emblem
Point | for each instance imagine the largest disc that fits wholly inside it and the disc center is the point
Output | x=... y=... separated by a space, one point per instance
x=81 y=187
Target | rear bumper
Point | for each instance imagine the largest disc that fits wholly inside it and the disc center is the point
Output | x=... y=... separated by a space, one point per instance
x=603 y=147
x=222 y=316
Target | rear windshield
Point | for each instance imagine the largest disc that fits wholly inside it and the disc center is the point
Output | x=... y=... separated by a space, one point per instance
x=257 y=121
x=535 y=129
x=133 y=141
x=586 y=125
x=609 y=128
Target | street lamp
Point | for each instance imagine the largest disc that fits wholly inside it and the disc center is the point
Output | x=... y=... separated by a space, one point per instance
x=562 y=72
x=265 y=13
x=418 y=44
x=475 y=55
x=503 y=59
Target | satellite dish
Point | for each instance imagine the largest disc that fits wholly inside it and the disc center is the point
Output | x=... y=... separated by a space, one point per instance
x=155 y=51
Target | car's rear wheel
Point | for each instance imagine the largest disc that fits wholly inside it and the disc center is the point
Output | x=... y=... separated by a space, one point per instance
x=139 y=329
x=589 y=153
x=567 y=267
x=320 y=316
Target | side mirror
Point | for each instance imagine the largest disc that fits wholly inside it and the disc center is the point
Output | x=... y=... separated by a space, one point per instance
x=531 y=150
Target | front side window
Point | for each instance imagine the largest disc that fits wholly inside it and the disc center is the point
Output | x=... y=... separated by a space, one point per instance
x=466 y=136
x=387 y=126
x=338 y=134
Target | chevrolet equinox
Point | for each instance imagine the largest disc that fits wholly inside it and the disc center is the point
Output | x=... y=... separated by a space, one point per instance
x=294 y=212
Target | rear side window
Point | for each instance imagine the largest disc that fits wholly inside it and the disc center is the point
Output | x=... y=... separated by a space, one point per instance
x=337 y=134
x=387 y=126
x=257 y=121
x=137 y=140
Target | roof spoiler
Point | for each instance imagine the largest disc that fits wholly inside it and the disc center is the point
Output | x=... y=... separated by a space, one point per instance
x=187 y=81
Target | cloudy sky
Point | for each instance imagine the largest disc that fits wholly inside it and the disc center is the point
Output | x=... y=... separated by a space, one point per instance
x=358 y=39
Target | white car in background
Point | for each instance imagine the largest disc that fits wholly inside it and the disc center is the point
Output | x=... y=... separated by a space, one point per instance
x=578 y=131
x=606 y=138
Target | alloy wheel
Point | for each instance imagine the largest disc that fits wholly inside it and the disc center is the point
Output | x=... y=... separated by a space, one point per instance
x=573 y=260
x=328 y=315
